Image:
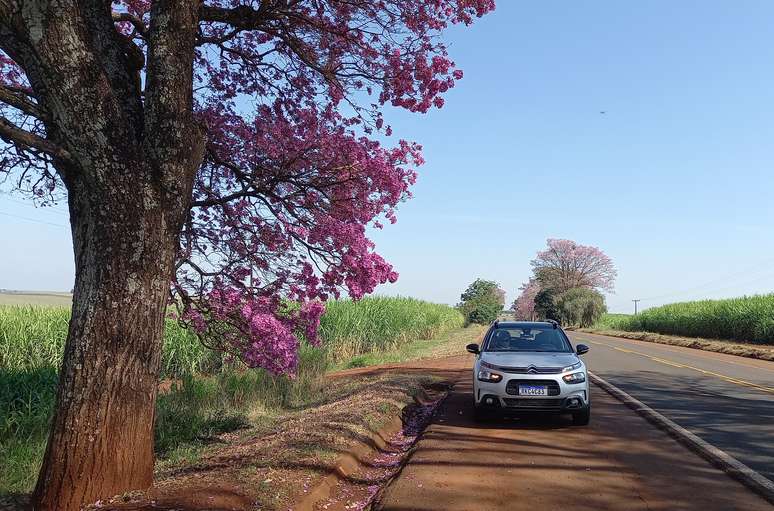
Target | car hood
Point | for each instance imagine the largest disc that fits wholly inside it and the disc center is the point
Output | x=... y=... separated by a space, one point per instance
x=525 y=359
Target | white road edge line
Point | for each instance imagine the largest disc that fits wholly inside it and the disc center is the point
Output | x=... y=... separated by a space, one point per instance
x=730 y=465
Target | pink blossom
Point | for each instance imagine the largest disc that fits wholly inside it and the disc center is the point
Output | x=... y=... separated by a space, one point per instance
x=524 y=305
x=292 y=176
x=566 y=264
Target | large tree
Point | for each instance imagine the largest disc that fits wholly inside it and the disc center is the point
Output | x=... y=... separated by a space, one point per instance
x=217 y=155
x=565 y=265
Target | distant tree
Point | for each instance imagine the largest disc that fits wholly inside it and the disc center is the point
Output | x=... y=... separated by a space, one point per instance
x=524 y=305
x=581 y=306
x=545 y=305
x=565 y=265
x=482 y=301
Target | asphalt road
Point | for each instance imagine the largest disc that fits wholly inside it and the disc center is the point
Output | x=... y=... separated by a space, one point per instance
x=618 y=462
x=724 y=399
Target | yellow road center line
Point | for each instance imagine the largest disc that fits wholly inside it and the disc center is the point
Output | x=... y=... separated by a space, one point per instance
x=685 y=366
x=699 y=353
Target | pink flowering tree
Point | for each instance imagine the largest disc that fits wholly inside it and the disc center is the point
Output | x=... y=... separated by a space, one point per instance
x=524 y=305
x=222 y=156
x=566 y=265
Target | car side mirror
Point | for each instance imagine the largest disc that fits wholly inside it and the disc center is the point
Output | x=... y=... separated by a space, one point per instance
x=473 y=348
x=581 y=349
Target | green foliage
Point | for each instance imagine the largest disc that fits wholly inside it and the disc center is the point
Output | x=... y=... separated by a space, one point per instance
x=481 y=302
x=197 y=409
x=208 y=397
x=581 y=306
x=377 y=324
x=480 y=289
x=26 y=401
x=484 y=312
x=545 y=305
x=33 y=337
x=749 y=318
x=609 y=320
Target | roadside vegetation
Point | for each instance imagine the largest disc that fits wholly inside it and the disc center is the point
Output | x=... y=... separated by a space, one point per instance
x=610 y=324
x=481 y=302
x=203 y=394
x=748 y=319
x=566 y=284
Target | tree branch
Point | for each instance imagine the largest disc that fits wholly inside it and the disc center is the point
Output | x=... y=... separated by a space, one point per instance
x=20 y=102
x=244 y=17
x=138 y=24
x=15 y=135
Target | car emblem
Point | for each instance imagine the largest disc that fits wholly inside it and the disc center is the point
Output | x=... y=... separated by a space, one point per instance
x=532 y=369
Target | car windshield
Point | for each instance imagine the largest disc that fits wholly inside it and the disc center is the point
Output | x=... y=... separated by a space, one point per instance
x=524 y=338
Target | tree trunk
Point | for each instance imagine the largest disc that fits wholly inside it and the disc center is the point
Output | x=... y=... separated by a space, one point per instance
x=101 y=441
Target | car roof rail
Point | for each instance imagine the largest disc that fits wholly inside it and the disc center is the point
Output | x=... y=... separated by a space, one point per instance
x=496 y=323
x=553 y=322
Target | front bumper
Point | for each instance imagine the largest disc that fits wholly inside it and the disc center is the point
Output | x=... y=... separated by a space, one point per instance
x=563 y=397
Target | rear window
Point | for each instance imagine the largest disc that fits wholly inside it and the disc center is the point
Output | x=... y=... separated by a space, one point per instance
x=527 y=339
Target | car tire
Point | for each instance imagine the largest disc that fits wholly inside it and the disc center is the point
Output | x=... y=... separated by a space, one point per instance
x=582 y=418
x=481 y=414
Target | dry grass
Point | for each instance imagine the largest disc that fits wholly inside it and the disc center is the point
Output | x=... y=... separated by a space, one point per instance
x=36 y=298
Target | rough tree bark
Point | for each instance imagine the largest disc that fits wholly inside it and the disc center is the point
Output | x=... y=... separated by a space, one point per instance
x=125 y=240
x=128 y=162
x=101 y=442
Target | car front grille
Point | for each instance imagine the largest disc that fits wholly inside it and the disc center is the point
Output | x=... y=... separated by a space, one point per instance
x=530 y=370
x=513 y=386
x=546 y=404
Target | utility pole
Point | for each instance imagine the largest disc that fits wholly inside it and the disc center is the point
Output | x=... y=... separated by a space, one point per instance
x=635 y=306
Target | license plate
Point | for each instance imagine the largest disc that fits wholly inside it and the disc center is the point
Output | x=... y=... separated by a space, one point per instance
x=533 y=390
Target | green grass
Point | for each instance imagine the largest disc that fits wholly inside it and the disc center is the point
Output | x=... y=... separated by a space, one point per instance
x=208 y=398
x=33 y=337
x=749 y=318
x=609 y=320
x=380 y=324
x=450 y=343
x=26 y=402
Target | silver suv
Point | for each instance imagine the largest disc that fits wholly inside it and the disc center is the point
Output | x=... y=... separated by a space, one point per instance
x=530 y=367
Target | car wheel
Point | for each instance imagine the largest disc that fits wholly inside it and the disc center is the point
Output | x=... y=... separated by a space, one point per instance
x=582 y=418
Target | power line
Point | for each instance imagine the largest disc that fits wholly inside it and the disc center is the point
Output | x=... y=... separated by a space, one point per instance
x=47 y=209
x=721 y=280
x=32 y=219
x=757 y=278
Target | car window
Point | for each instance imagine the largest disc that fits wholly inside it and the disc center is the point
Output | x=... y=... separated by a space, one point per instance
x=527 y=339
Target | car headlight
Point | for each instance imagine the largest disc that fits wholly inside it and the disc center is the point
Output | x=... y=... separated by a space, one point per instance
x=487 y=375
x=575 y=377
x=573 y=367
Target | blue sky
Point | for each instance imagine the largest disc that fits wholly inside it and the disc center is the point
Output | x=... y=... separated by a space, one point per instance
x=673 y=181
